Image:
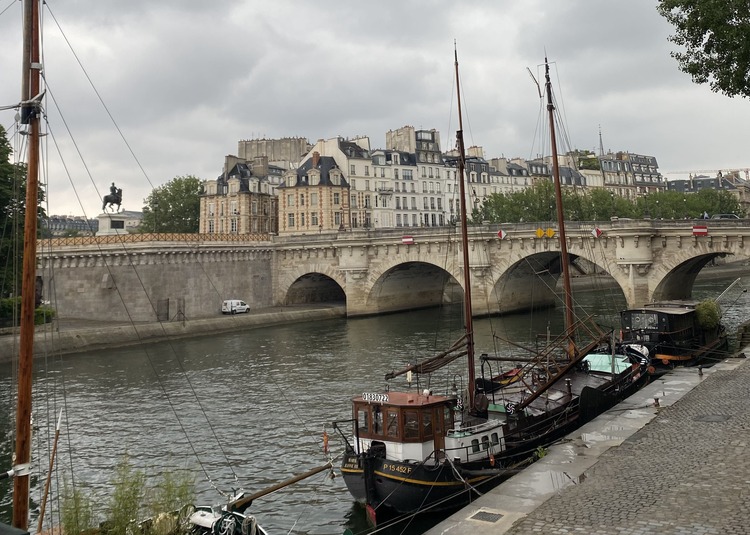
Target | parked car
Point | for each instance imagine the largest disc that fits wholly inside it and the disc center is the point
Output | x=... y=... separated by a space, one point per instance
x=234 y=306
x=725 y=216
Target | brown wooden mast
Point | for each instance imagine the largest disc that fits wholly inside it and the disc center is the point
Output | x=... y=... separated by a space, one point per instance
x=29 y=115
x=559 y=204
x=465 y=242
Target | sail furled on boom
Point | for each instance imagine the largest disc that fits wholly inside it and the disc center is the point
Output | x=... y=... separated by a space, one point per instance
x=434 y=363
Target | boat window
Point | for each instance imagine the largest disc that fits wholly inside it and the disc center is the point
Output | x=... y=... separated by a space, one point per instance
x=363 y=419
x=411 y=424
x=447 y=418
x=377 y=421
x=495 y=439
x=475 y=445
x=485 y=442
x=426 y=425
x=643 y=320
x=392 y=423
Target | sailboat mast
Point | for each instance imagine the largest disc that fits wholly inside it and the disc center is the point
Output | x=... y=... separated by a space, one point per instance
x=568 y=296
x=469 y=325
x=29 y=115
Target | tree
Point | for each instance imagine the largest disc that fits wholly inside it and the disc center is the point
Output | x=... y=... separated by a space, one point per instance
x=12 y=213
x=173 y=207
x=715 y=35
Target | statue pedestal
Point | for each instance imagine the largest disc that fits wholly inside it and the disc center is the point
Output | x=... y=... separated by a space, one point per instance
x=113 y=223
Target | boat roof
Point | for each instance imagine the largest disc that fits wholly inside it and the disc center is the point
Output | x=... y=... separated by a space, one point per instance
x=402 y=399
x=676 y=311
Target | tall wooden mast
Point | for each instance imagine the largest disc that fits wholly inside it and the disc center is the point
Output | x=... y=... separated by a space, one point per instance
x=29 y=115
x=465 y=242
x=565 y=266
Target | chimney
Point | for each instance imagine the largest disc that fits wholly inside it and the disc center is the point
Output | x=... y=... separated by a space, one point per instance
x=316 y=159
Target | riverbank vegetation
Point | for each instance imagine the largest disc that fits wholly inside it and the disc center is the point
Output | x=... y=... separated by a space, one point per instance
x=132 y=498
x=537 y=204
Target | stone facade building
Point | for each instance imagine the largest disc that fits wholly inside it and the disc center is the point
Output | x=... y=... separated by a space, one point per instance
x=341 y=184
x=242 y=200
x=314 y=197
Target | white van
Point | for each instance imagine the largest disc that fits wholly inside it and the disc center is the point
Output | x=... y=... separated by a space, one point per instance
x=234 y=306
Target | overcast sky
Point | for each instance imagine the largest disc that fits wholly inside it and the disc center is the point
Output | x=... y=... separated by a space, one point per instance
x=185 y=80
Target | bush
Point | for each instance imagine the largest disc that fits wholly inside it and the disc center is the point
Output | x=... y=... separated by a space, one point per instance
x=709 y=314
x=77 y=511
x=127 y=498
x=43 y=314
x=10 y=309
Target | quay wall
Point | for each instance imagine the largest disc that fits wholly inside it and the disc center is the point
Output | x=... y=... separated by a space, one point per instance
x=60 y=338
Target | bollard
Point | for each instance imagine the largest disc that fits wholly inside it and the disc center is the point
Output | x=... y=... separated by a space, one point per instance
x=700 y=371
x=656 y=402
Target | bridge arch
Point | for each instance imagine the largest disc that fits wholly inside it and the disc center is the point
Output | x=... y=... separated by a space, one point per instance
x=308 y=287
x=410 y=283
x=675 y=279
x=528 y=280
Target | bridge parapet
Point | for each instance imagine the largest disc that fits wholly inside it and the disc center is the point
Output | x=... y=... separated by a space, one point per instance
x=380 y=270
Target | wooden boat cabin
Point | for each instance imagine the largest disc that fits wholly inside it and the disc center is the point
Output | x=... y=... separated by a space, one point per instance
x=402 y=425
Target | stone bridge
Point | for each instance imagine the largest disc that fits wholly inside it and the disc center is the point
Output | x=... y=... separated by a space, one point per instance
x=513 y=267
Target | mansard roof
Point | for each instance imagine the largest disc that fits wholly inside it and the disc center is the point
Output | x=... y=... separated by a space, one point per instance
x=244 y=172
x=325 y=165
x=352 y=150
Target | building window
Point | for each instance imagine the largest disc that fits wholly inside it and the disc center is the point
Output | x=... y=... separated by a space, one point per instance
x=254 y=207
x=354 y=201
x=352 y=169
x=302 y=199
x=398 y=220
x=211 y=227
x=336 y=200
x=291 y=221
x=233 y=225
x=211 y=208
x=290 y=200
x=367 y=201
x=302 y=220
x=367 y=170
x=314 y=219
x=337 y=218
x=426 y=203
x=233 y=207
x=407 y=174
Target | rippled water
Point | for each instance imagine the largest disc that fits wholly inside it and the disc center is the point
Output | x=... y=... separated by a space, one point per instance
x=248 y=409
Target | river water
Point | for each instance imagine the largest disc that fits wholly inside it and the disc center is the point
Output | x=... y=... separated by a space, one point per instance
x=248 y=409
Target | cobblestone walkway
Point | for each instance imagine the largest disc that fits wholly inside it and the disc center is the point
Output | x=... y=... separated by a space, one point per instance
x=686 y=472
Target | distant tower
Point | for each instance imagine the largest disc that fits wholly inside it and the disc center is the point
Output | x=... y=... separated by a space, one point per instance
x=601 y=145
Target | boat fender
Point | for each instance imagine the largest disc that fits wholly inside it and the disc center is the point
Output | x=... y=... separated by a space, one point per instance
x=249 y=525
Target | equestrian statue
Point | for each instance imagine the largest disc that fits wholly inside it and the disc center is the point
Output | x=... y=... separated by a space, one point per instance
x=114 y=198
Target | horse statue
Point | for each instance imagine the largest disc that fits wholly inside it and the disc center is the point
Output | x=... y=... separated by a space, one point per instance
x=112 y=199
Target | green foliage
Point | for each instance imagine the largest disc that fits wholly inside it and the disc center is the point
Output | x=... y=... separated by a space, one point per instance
x=540 y=452
x=174 y=490
x=77 y=514
x=173 y=207
x=127 y=498
x=12 y=213
x=43 y=314
x=597 y=204
x=10 y=309
x=713 y=36
x=708 y=314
